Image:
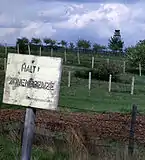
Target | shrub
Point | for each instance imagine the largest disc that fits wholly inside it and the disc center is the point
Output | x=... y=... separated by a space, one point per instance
x=101 y=72
x=135 y=54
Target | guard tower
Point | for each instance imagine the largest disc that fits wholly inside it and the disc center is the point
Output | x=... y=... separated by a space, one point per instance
x=117 y=34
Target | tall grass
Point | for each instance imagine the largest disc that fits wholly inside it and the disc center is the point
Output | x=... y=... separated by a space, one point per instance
x=73 y=145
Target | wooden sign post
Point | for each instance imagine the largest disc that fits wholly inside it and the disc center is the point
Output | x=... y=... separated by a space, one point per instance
x=34 y=82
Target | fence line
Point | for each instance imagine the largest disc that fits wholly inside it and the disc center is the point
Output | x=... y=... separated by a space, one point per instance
x=70 y=82
x=83 y=62
x=92 y=64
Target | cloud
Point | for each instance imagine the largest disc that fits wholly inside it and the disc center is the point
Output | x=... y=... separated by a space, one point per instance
x=92 y=1
x=72 y=19
x=37 y=29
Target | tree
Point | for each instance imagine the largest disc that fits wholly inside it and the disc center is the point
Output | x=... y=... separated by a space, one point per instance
x=23 y=44
x=98 y=47
x=63 y=44
x=115 y=42
x=36 y=42
x=52 y=43
x=135 y=54
x=71 y=46
x=83 y=44
x=47 y=41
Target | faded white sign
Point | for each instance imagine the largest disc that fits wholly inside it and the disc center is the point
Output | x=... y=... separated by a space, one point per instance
x=32 y=81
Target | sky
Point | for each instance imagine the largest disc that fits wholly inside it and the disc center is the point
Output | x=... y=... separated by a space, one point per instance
x=93 y=20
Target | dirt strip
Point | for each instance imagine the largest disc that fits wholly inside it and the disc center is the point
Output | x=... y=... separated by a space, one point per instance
x=113 y=125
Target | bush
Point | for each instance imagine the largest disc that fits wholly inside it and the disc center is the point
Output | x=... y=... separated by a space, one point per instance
x=135 y=54
x=101 y=72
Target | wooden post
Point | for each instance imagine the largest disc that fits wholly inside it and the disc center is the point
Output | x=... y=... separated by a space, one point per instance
x=5 y=64
x=110 y=79
x=6 y=50
x=89 y=86
x=107 y=60
x=65 y=59
x=40 y=49
x=124 y=65
x=78 y=55
x=29 y=126
x=18 y=49
x=29 y=51
x=139 y=69
x=132 y=130
x=51 y=52
x=132 y=86
x=69 y=78
x=93 y=62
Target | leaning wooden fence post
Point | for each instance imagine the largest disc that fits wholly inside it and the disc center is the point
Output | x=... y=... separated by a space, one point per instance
x=132 y=86
x=93 y=62
x=18 y=49
x=29 y=51
x=78 y=56
x=132 y=130
x=110 y=79
x=139 y=69
x=124 y=66
x=65 y=59
x=40 y=51
x=5 y=64
x=69 y=78
x=51 y=52
x=29 y=68
x=6 y=49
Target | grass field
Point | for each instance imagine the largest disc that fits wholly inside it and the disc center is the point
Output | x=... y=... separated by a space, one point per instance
x=10 y=149
x=99 y=99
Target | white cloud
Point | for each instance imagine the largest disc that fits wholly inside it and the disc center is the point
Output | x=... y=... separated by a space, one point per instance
x=37 y=29
x=69 y=20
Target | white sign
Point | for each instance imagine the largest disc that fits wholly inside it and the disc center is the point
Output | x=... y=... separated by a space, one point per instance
x=32 y=81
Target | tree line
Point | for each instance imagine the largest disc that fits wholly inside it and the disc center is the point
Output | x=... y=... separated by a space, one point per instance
x=114 y=44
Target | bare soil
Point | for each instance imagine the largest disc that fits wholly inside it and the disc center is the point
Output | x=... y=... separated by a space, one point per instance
x=115 y=126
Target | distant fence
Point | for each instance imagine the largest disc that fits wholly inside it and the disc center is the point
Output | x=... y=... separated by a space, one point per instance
x=69 y=79
x=57 y=49
x=77 y=58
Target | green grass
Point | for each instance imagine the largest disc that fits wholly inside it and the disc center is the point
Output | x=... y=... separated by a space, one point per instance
x=10 y=150
x=99 y=99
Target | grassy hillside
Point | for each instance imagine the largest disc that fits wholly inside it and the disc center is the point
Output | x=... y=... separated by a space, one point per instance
x=98 y=98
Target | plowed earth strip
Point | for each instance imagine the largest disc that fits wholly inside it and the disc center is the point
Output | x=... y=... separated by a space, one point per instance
x=114 y=126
